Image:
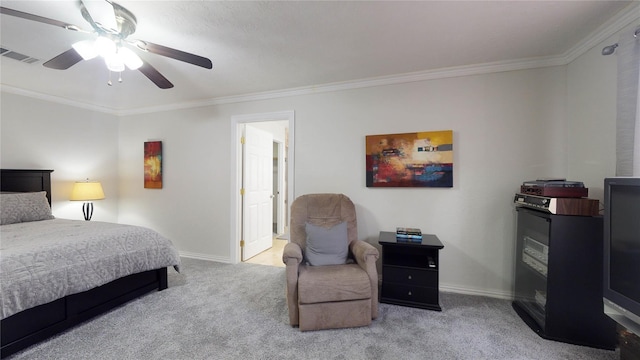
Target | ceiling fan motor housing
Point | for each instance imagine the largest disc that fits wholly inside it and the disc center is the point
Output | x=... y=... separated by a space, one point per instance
x=125 y=20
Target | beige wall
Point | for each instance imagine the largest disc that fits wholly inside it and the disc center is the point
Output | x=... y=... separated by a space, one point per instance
x=75 y=143
x=591 y=104
x=508 y=127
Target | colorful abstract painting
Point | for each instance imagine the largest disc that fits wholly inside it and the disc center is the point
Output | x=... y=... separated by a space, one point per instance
x=153 y=165
x=421 y=159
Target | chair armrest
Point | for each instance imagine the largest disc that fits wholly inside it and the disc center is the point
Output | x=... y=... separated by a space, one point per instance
x=366 y=256
x=292 y=257
x=292 y=254
x=363 y=252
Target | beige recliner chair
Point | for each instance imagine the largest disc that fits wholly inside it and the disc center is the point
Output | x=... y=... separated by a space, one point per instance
x=329 y=296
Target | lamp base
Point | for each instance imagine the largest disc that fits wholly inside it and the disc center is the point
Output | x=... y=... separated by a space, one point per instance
x=87 y=210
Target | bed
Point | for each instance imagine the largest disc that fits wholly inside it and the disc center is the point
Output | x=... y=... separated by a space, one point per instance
x=44 y=291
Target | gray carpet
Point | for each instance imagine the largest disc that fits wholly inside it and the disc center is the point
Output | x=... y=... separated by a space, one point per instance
x=221 y=311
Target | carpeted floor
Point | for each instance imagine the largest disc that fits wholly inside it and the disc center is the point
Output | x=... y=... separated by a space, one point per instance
x=221 y=311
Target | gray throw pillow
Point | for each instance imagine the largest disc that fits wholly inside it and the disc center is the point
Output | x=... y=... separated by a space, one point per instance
x=24 y=207
x=326 y=246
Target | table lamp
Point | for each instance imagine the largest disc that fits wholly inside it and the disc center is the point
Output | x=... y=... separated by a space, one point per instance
x=87 y=191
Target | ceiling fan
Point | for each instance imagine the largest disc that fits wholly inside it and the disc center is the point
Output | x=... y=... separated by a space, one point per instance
x=113 y=24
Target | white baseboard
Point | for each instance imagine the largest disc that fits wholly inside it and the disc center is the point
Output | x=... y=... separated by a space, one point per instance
x=480 y=292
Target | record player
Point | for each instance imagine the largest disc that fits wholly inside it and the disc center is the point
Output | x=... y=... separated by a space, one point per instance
x=557 y=196
x=554 y=188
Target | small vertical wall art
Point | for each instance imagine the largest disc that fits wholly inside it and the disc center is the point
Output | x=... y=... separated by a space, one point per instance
x=153 y=165
x=420 y=159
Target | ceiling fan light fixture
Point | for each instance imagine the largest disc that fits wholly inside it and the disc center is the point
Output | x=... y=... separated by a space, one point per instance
x=105 y=46
x=114 y=62
x=86 y=49
x=129 y=58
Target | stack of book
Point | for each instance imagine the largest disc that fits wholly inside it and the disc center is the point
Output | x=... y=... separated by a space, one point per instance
x=408 y=234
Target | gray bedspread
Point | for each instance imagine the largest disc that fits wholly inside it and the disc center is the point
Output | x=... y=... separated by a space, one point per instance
x=42 y=261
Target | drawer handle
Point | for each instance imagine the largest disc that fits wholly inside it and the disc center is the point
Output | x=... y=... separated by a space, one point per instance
x=409 y=277
x=409 y=293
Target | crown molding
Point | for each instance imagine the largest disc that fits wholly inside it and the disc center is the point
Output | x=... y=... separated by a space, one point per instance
x=620 y=21
x=624 y=18
x=477 y=69
x=56 y=99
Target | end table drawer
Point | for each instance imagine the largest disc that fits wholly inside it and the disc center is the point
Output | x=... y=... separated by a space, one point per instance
x=410 y=276
x=410 y=293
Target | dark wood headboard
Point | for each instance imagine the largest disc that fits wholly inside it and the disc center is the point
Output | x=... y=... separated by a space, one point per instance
x=16 y=180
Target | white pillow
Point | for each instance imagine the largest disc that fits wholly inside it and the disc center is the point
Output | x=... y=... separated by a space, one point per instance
x=24 y=207
x=326 y=246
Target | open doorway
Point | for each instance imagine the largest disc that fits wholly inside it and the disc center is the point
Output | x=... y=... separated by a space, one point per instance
x=280 y=126
x=280 y=211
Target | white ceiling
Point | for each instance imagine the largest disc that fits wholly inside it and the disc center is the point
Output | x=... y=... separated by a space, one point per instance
x=260 y=47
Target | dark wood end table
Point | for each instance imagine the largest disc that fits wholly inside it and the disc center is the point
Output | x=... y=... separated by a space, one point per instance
x=410 y=271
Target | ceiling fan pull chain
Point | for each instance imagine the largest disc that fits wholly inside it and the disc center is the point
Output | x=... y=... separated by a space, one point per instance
x=120 y=77
x=109 y=82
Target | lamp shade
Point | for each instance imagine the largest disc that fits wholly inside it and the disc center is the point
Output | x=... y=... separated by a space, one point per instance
x=86 y=191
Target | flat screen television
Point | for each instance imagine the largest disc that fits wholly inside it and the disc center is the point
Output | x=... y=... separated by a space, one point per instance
x=621 y=285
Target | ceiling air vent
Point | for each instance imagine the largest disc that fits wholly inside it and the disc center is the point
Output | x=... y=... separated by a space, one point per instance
x=17 y=56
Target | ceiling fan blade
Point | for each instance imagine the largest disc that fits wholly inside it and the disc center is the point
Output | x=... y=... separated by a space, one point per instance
x=155 y=76
x=44 y=20
x=174 y=54
x=64 y=61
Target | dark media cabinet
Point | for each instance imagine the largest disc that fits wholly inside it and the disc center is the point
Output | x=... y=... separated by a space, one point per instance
x=410 y=271
x=558 y=278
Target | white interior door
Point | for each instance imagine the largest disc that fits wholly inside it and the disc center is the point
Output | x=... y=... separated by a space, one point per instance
x=257 y=202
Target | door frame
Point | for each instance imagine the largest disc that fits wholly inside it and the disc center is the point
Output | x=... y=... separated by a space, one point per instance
x=280 y=213
x=235 y=200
